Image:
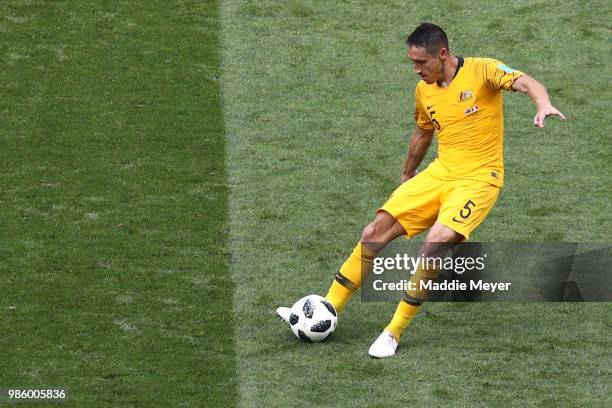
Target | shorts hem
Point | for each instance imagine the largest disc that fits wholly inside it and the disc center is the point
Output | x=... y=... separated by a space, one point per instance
x=409 y=233
x=465 y=234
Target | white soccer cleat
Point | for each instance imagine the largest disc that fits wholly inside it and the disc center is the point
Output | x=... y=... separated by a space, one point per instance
x=284 y=313
x=384 y=346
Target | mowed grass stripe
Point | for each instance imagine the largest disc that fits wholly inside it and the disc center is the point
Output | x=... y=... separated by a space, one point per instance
x=114 y=277
x=219 y=364
x=318 y=107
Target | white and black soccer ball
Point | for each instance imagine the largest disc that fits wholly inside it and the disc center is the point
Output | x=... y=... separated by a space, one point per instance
x=313 y=318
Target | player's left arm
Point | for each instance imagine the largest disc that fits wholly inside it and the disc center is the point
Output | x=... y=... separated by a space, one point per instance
x=538 y=94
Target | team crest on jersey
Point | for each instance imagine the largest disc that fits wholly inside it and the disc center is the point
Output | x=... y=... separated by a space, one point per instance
x=465 y=95
x=471 y=110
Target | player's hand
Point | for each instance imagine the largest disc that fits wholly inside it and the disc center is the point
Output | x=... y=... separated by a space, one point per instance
x=406 y=177
x=544 y=112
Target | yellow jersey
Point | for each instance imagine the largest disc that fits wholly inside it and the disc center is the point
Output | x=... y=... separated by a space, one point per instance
x=468 y=117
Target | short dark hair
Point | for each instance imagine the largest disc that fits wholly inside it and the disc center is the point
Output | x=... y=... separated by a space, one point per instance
x=428 y=36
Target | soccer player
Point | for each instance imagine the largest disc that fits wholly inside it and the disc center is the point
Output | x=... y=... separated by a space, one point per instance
x=460 y=101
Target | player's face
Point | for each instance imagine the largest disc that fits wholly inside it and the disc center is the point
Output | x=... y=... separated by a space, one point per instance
x=427 y=66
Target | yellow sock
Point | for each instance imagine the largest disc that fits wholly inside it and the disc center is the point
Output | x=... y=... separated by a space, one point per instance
x=338 y=295
x=348 y=280
x=411 y=302
x=401 y=319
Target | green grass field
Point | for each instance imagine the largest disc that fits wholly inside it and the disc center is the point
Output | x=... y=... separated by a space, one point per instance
x=114 y=279
x=173 y=171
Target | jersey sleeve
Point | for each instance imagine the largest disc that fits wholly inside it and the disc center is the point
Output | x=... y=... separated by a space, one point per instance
x=420 y=114
x=498 y=76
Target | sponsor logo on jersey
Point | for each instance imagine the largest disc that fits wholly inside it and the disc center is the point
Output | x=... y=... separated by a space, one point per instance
x=465 y=95
x=471 y=110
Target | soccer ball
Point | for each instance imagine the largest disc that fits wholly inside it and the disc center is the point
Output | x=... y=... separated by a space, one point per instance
x=313 y=318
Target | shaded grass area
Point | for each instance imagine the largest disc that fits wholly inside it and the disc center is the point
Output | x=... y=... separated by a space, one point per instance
x=114 y=277
x=319 y=107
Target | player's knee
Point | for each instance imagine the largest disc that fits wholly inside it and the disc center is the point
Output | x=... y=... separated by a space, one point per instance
x=369 y=233
x=383 y=229
x=442 y=236
x=441 y=233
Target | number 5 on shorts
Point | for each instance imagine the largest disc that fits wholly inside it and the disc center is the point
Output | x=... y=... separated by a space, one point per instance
x=465 y=212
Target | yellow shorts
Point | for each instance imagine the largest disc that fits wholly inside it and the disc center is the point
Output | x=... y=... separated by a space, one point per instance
x=423 y=200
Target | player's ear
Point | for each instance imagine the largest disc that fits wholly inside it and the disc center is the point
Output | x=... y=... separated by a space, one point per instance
x=443 y=53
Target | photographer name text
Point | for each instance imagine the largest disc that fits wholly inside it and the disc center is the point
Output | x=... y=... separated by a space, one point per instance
x=453 y=285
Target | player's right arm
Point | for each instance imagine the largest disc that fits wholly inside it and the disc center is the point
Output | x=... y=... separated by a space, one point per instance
x=419 y=144
x=422 y=135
